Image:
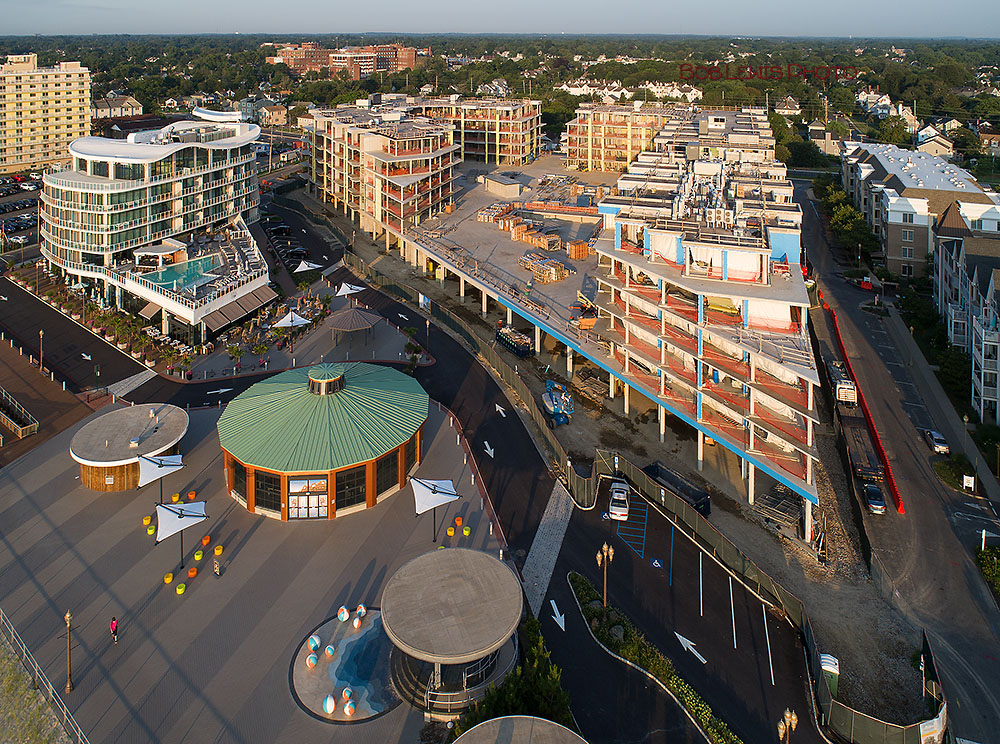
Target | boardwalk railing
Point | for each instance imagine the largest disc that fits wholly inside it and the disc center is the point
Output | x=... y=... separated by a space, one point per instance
x=846 y=723
x=41 y=682
x=15 y=417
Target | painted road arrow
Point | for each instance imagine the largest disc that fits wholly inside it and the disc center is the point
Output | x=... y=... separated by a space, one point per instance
x=489 y=450
x=688 y=646
x=402 y=316
x=560 y=619
x=3 y=298
x=501 y=411
x=86 y=357
x=220 y=391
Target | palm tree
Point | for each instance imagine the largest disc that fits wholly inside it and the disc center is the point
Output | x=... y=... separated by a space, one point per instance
x=237 y=354
x=260 y=348
x=170 y=356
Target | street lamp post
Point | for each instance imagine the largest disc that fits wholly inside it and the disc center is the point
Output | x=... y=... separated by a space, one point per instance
x=786 y=725
x=604 y=556
x=41 y=337
x=69 y=654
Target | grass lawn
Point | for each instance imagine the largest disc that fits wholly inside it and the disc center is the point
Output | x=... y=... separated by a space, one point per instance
x=25 y=716
x=989 y=564
x=951 y=469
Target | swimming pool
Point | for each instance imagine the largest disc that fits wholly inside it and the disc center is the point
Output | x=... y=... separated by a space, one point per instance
x=184 y=275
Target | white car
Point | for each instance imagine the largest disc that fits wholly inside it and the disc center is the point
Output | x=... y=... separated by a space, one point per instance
x=618 y=509
x=937 y=442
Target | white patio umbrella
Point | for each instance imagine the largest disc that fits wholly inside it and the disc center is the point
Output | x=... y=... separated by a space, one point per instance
x=155 y=468
x=348 y=289
x=174 y=518
x=305 y=266
x=429 y=495
x=292 y=320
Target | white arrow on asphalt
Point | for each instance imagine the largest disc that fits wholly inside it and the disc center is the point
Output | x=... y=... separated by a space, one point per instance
x=3 y=298
x=489 y=450
x=220 y=391
x=86 y=357
x=688 y=646
x=501 y=411
x=402 y=316
x=560 y=619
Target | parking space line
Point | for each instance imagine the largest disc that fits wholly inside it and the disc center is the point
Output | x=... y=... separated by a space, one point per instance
x=701 y=600
x=732 y=606
x=767 y=637
x=633 y=530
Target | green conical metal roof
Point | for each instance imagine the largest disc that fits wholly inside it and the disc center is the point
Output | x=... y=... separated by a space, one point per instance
x=278 y=424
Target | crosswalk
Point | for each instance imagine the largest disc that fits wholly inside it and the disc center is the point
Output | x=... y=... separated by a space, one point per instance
x=545 y=548
x=126 y=386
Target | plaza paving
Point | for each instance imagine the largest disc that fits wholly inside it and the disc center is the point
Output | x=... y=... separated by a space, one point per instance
x=214 y=664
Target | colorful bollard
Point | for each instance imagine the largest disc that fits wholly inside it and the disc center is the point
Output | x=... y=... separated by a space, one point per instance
x=167 y=578
x=314 y=642
x=198 y=555
x=329 y=704
x=150 y=530
x=180 y=588
x=218 y=549
x=343 y=614
x=329 y=651
x=357 y=622
x=146 y=520
x=349 y=707
x=362 y=610
x=311 y=660
x=348 y=693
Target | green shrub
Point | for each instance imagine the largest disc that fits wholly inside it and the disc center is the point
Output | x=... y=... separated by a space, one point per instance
x=989 y=564
x=952 y=469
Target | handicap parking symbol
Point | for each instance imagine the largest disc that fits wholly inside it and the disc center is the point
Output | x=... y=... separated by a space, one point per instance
x=605 y=517
x=656 y=563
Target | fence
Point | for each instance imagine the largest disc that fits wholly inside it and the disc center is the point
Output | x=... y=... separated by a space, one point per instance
x=15 y=417
x=41 y=682
x=842 y=720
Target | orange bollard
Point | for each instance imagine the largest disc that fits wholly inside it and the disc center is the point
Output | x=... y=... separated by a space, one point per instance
x=206 y=540
x=191 y=495
x=192 y=572
x=458 y=521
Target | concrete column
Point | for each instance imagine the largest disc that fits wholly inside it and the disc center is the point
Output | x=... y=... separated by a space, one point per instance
x=627 y=388
x=164 y=322
x=538 y=339
x=751 y=471
x=662 y=415
x=569 y=363
x=808 y=521
x=387 y=244
x=701 y=450
x=485 y=300
x=611 y=386
x=461 y=287
x=510 y=316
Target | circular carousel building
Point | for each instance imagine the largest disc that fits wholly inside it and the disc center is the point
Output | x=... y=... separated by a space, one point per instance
x=452 y=618
x=109 y=447
x=322 y=441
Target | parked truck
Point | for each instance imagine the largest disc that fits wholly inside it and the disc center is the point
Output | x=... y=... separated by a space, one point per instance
x=844 y=390
x=865 y=461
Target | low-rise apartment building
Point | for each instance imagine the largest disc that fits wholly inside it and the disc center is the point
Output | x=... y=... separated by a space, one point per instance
x=115 y=107
x=42 y=110
x=360 y=62
x=609 y=137
x=901 y=193
x=967 y=293
x=381 y=168
x=158 y=224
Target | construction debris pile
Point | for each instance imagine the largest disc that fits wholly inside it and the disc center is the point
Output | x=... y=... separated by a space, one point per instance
x=515 y=341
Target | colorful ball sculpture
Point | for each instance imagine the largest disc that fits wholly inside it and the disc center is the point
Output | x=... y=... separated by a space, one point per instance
x=329 y=704
x=349 y=707
x=314 y=642
x=311 y=660
x=330 y=650
x=357 y=622
x=362 y=610
x=348 y=693
x=343 y=614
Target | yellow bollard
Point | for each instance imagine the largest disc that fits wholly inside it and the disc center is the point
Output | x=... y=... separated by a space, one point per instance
x=180 y=588
x=198 y=555
x=175 y=498
x=218 y=549
x=167 y=578
x=150 y=530
x=146 y=520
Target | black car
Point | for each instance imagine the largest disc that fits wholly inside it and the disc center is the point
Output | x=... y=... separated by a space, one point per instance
x=680 y=486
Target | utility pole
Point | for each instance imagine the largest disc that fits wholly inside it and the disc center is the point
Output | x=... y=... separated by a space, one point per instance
x=41 y=350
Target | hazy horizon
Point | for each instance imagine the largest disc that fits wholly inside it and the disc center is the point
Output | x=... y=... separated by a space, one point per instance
x=922 y=20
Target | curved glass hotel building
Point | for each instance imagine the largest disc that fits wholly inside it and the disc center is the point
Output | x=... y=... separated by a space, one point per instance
x=157 y=224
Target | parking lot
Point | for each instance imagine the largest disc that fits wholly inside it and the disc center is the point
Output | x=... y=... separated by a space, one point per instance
x=18 y=211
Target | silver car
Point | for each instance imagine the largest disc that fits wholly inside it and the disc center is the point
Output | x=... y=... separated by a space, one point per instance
x=937 y=443
x=618 y=509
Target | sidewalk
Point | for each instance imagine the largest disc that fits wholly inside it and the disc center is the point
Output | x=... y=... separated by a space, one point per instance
x=938 y=404
x=384 y=343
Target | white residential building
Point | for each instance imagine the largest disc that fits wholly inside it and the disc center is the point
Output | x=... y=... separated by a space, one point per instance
x=158 y=224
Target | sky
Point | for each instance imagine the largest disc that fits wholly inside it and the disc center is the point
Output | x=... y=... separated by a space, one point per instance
x=889 y=18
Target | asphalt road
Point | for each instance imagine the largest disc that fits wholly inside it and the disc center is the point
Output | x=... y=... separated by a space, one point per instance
x=927 y=551
x=751 y=674
x=65 y=342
